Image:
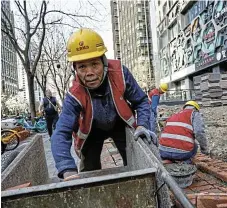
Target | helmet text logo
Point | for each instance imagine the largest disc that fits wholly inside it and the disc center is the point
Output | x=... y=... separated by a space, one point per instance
x=82 y=48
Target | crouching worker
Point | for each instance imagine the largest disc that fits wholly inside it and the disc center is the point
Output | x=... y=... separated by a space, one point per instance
x=100 y=104
x=177 y=141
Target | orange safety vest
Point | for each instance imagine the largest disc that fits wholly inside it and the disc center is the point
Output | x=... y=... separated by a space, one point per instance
x=152 y=93
x=82 y=96
x=178 y=132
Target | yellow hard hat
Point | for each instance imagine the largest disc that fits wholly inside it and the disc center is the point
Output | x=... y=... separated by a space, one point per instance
x=85 y=44
x=192 y=103
x=163 y=87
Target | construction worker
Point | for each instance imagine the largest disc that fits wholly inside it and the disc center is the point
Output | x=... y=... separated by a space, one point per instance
x=101 y=102
x=177 y=140
x=154 y=96
x=50 y=106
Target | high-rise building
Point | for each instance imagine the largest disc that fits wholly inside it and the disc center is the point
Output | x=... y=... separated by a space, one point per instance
x=132 y=38
x=9 y=75
x=192 y=38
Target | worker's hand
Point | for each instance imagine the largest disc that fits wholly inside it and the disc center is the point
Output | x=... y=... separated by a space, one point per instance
x=145 y=133
x=70 y=175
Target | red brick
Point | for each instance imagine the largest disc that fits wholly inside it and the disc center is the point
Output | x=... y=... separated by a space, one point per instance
x=223 y=189
x=200 y=174
x=188 y=191
x=200 y=183
x=203 y=188
x=222 y=205
x=211 y=200
x=214 y=171
x=214 y=190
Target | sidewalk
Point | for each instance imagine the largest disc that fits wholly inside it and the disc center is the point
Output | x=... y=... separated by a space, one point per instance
x=110 y=157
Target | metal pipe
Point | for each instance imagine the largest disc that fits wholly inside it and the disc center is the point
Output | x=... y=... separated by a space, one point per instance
x=171 y=183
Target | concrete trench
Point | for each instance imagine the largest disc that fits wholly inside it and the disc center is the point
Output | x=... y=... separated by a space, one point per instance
x=130 y=186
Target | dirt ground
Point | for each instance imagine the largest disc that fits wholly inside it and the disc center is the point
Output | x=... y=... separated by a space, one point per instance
x=215 y=119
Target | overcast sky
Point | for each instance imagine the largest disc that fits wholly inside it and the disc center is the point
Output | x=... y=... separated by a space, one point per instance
x=98 y=9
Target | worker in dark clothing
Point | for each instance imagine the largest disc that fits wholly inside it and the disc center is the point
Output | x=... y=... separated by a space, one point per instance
x=50 y=106
x=101 y=103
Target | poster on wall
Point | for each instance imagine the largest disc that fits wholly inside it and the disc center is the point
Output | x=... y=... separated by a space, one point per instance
x=214 y=59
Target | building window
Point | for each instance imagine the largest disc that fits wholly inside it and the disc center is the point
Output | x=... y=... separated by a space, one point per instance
x=173 y=31
x=194 y=11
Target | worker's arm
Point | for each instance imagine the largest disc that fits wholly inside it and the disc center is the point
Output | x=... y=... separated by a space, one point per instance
x=61 y=140
x=199 y=131
x=138 y=99
x=154 y=103
x=58 y=104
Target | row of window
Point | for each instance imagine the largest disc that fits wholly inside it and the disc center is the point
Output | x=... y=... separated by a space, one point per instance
x=8 y=70
x=8 y=55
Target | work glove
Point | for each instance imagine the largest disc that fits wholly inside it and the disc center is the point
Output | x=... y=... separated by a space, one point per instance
x=70 y=175
x=145 y=134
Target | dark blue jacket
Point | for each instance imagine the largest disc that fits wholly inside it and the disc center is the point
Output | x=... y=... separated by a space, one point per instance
x=48 y=107
x=61 y=140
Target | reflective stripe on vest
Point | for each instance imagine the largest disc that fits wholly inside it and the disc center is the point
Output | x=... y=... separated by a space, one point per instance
x=171 y=149
x=131 y=121
x=177 y=137
x=188 y=126
x=82 y=135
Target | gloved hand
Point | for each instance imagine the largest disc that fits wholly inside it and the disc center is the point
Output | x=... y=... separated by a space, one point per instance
x=70 y=175
x=145 y=133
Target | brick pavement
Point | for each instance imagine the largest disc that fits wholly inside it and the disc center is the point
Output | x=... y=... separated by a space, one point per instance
x=209 y=188
x=110 y=157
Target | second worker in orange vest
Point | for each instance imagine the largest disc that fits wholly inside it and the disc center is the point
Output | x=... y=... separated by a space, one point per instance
x=178 y=138
x=154 y=96
x=102 y=101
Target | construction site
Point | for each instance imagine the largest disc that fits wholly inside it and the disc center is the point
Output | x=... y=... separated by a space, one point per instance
x=114 y=104
x=35 y=184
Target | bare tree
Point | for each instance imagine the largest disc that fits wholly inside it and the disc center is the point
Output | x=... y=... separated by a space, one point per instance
x=55 y=50
x=42 y=73
x=34 y=22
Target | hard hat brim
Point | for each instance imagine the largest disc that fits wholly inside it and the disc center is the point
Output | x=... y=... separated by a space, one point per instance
x=163 y=90
x=86 y=56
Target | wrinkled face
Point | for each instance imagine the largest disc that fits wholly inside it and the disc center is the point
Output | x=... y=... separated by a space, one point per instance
x=48 y=93
x=90 y=72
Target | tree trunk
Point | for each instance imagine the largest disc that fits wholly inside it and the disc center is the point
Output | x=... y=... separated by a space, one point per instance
x=31 y=93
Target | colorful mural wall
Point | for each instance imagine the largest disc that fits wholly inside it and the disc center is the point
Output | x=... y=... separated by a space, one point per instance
x=203 y=42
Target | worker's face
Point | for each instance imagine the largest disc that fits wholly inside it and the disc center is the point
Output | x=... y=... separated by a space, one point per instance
x=48 y=93
x=90 y=72
x=160 y=91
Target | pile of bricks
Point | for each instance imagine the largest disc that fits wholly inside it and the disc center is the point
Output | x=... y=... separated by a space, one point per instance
x=211 y=89
x=209 y=188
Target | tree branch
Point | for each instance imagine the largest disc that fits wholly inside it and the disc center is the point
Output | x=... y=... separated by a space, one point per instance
x=72 y=15
x=42 y=38
x=40 y=18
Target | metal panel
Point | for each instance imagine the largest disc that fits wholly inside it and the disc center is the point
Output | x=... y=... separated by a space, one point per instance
x=122 y=190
